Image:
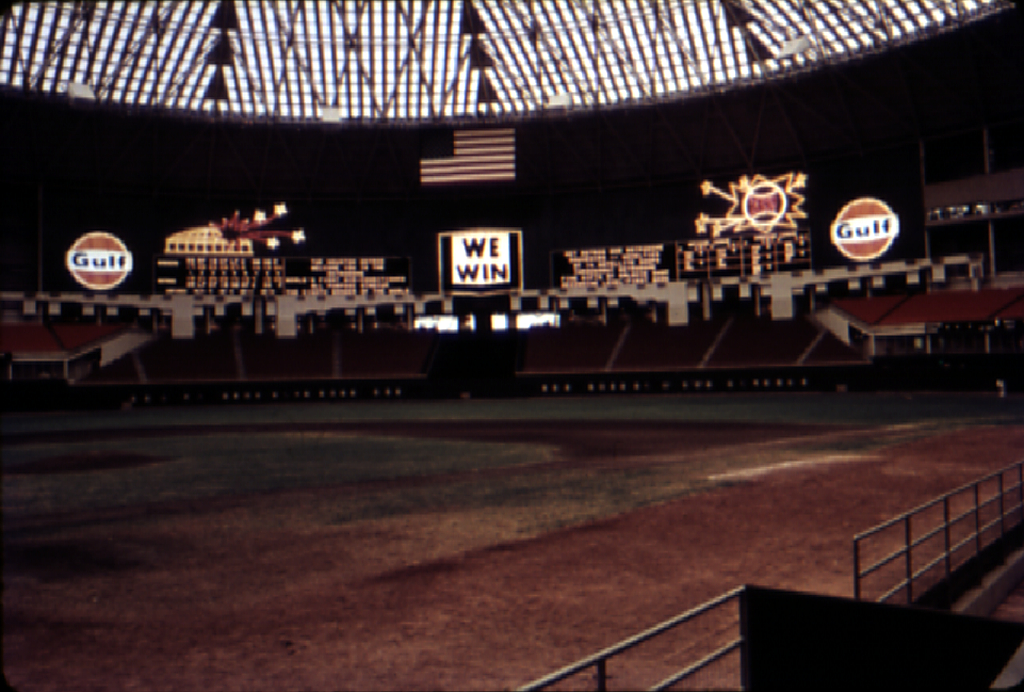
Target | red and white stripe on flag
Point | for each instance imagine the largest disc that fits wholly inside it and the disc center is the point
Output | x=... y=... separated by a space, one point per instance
x=479 y=156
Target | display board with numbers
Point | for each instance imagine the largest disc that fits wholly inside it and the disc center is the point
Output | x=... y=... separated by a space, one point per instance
x=611 y=267
x=298 y=276
x=744 y=256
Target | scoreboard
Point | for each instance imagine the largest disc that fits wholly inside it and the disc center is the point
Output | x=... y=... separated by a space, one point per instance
x=610 y=267
x=752 y=256
x=273 y=276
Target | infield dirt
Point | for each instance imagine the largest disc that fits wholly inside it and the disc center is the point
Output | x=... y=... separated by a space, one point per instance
x=247 y=593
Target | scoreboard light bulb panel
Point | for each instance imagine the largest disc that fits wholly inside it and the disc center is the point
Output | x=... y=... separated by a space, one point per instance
x=614 y=266
x=270 y=276
x=480 y=261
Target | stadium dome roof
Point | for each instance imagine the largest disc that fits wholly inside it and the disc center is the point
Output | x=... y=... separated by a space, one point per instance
x=413 y=61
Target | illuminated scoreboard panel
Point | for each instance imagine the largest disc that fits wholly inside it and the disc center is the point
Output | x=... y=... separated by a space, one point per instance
x=611 y=267
x=333 y=276
x=274 y=276
x=744 y=256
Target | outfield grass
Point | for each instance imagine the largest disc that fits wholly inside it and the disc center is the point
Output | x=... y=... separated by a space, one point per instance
x=225 y=465
x=192 y=468
x=197 y=467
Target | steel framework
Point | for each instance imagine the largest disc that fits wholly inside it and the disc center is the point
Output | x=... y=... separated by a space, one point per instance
x=435 y=60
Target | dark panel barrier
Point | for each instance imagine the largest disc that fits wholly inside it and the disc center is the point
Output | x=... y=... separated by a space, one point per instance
x=798 y=641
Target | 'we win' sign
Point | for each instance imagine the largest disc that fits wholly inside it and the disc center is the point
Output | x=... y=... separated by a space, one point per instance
x=481 y=258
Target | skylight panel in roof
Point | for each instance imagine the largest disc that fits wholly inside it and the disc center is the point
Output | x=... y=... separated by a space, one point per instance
x=692 y=22
x=266 y=66
x=792 y=19
x=605 y=52
x=648 y=49
x=827 y=34
x=670 y=66
x=711 y=43
x=726 y=49
x=775 y=16
x=730 y=60
x=739 y=52
x=74 y=55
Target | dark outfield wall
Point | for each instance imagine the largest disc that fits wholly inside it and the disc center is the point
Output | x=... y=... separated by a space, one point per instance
x=408 y=227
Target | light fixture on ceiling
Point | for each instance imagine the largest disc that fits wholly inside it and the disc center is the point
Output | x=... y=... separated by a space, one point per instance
x=81 y=91
x=795 y=46
x=560 y=99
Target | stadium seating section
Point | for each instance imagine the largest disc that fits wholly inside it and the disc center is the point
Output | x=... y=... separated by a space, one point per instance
x=75 y=336
x=235 y=354
x=52 y=338
x=385 y=353
x=571 y=348
x=206 y=357
x=1014 y=311
x=718 y=343
x=829 y=350
x=265 y=357
x=749 y=341
x=869 y=310
x=946 y=307
x=121 y=371
x=28 y=338
x=626 y=344
x=650 y=346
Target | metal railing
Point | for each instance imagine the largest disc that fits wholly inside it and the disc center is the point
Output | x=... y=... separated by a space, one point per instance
x=724 y=652
x=918 y=550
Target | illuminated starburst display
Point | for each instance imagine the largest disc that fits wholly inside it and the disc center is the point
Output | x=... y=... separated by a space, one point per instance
x=758 y=234
x=428 y=60
x=758 y=204
x=233 y=236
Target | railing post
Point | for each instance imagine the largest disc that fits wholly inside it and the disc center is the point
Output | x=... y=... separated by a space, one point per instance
x=1002 y=513
x=1020 y=491
x=602 y=675
x=856 y=570
x=977 y=523
x=745 y=640
x=910 y=567
x=945 y=521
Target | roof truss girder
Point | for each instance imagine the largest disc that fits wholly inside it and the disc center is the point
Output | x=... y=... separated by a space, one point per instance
x=419 y=59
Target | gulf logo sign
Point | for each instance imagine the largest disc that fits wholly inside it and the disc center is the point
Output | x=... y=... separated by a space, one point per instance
x=865 y=229
x=99 y=261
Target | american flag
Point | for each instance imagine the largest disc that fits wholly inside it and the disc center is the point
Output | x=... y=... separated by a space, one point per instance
x=470 y=156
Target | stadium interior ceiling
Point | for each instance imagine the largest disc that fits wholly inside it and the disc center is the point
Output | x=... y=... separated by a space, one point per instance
x=416 y=61
x=618 y=126
x=334 y=100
